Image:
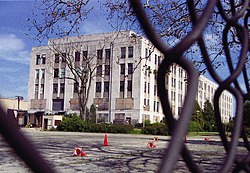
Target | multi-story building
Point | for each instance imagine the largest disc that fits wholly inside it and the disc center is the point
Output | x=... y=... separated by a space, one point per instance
x=123 y=89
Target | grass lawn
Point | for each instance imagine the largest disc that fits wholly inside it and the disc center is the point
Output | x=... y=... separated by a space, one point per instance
x=202 y=133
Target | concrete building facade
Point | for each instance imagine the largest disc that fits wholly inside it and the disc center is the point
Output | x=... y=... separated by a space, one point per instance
x=123 y=89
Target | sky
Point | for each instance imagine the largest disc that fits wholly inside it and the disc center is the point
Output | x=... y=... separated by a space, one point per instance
x=15 y=45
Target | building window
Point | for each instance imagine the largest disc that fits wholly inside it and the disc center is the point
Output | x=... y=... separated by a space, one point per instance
x=154 y=105
x=36 y=91
x=99 y=54
x=77 y=56
x=146 y=53
x=63 y=57
x=130 y=68
x=98 y=87
x=107 y=54
x=157 y=108
x=99 y=70
x=38 y=60
x=42 y=89
x=56 y=58
x=130 y=51
x=43 y=73
x=76 y=87
x=155 y=59
x=121 y=86
x=56 y=73
x=122 y=68
x=107 y=69
x=62 y=72
x=37 y=73
x=123 y=52
x=130 y=85
x=62 y=86
x=43 y=59
x=85 y=55
x=145 y=87
x=159 y=60
x=55 y=88
x=148 y=88
x=154 y=89
x=106 y=86
x=57 y=105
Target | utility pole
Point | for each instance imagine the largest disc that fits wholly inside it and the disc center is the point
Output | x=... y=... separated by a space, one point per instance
x=18 y=101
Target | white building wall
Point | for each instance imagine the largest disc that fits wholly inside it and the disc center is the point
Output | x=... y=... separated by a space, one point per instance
x=146 y=105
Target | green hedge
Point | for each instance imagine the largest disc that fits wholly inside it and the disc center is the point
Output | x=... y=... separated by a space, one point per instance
x=75 y=124
x=155 y=129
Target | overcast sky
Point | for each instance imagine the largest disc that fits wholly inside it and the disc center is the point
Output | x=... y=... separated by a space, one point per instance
x=15 y=45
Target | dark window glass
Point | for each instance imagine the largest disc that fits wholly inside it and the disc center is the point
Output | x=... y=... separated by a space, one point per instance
x=123 y=52
x=129 y=85
x=122 y=68
x=99 y=70
x=43 y=59
x=56 y=73
x=98 y=86
x=130 y=68
x=38 y=60
x=63 y=57
x=121 y=86
x=76 y=87
x=56 y=58
x=36 y=91
x=148 y=87
x=107 y=53
x=99 y=54
x=156 y=59
x=107 y=69
x=77 y=56
x=58 y=104
x=85 y=55
x=106 y=86
x=62 y=86
x=55 y=88
x=130 y=51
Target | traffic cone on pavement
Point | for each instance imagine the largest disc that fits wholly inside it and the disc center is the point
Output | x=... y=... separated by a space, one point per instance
x=83 y=154
x=105 y=143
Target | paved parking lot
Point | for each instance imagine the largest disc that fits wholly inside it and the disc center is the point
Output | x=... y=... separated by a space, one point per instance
x=125 y=153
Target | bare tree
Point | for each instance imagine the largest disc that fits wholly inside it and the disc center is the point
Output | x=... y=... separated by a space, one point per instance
x=82 y=66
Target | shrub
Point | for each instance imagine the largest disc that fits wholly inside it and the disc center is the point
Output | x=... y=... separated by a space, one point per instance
x=155 y=129
x=75 y=124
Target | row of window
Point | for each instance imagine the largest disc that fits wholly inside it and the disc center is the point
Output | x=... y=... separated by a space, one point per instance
x=157 y=58
x=124 y=52
x=130 y=68
x=61 y=89
x=56 y=73
x=106 y=86
x=40 y=59
x=38 y=73
x=155 y=107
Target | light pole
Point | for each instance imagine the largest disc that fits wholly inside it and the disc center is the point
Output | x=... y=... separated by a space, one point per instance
x=96 y=106
x=18 y=101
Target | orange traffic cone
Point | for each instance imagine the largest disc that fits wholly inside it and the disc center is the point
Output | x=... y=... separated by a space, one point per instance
x=83 y=154
x=105 y=143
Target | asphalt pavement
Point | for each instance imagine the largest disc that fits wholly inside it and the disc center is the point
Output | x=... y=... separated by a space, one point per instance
x=124 y=153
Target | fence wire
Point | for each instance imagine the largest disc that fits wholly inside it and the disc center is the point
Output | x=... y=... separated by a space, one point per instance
x=178 y=129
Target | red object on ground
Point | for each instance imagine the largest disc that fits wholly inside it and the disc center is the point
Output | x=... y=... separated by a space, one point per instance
x=83 y=154
x=206 y=139
x=105 y=142
x=151 y=144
